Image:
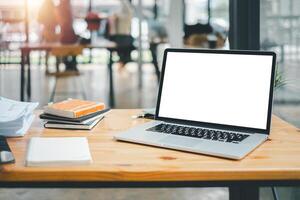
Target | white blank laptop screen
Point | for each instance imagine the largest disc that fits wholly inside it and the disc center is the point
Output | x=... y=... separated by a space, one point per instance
x=229 y=89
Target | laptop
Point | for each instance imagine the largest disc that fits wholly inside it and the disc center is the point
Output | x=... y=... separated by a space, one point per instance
x=214 y=102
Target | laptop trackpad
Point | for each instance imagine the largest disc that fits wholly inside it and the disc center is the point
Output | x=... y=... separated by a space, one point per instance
x=179 y=141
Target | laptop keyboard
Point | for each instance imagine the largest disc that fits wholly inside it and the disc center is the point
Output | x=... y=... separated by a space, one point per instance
x=203 y=133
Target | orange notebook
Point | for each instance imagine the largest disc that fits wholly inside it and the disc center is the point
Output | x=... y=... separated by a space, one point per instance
x=74 y=108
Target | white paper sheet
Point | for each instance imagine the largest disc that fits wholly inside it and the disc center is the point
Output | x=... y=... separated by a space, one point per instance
x=45 y=151
x=11 y=110
x=15 y=117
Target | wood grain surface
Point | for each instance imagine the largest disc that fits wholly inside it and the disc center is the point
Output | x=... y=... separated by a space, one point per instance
x=276 y=159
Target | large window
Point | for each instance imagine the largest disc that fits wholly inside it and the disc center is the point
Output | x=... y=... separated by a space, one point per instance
x=280 y=32
x=205 y=11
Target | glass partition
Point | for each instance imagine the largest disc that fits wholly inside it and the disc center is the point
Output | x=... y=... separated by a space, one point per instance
x=279 y=30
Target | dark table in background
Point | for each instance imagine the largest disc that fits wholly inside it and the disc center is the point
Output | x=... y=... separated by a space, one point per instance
x=68 y=49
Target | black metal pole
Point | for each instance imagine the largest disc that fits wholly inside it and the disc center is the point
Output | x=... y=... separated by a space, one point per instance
x=208 y=11
x=275 y=194
x=245 y=192
x=244 y=24
x=184 y=12
x=90 y=5
x=155 y=9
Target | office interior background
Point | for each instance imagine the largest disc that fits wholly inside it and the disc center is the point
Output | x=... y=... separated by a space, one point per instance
x=155 y=25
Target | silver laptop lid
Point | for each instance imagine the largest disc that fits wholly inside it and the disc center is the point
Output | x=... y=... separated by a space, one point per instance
x=229 y=89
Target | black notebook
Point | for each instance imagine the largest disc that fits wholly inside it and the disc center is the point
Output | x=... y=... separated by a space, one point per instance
x=79 y=120
x=74 y=126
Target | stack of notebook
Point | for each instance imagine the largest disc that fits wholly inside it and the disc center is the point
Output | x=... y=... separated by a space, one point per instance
x=74 y=114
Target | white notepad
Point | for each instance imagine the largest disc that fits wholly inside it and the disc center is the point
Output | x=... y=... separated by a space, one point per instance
x=43 y=151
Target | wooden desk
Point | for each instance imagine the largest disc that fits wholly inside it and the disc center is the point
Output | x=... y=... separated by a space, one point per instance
x=69 y=49
x=120 y=164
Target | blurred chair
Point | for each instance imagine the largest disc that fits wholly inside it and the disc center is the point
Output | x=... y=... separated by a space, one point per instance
x=158 y=34
x=64 y=51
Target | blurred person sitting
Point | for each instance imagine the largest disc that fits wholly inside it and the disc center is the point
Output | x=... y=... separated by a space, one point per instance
x=65 y=20
x=47 y=18
x=203 y=36
x=51 y=16
x=119 y=31
x=67 y=33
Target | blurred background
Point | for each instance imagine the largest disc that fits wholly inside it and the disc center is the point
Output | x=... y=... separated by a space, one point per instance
x=89 y=35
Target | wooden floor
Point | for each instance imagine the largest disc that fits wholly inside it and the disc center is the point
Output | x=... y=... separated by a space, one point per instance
x=93 y=81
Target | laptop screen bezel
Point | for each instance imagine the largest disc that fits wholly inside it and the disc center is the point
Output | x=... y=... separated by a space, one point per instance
x=216 y=125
